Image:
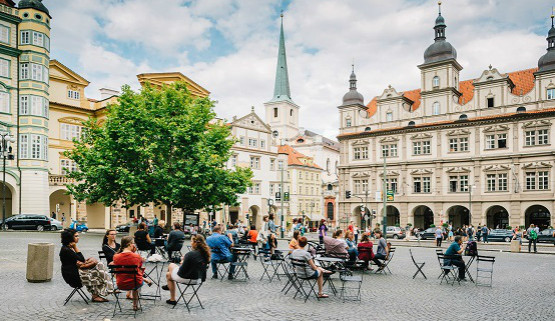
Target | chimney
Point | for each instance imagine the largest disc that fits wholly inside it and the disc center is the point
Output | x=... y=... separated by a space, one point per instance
x=107 y=93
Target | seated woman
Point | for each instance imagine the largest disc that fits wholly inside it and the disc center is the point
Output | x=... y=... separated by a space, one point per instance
x=351 y=246
x=310 y=271
x=336 y=246
x=142 y=239
x=193 y=267
x=109 y=245
x=77 y=271
x=294 y=243
x=131 y=282
x=365 y=250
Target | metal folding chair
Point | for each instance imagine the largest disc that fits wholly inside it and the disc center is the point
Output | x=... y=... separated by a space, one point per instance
x=81 y=293
x=350 y=279
x=289 y=272
x=222 y=269
x=270 y=267
x=387 y=261
x=450 y=273
x=302 y=264
x=194 y=286
x=131 y=270
x=440 y=257
x=484 y=270
x=418 y=265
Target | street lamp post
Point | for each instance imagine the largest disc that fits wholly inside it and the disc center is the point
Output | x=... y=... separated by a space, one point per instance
x=470 y=187
x=6 y=154
x=384 y=195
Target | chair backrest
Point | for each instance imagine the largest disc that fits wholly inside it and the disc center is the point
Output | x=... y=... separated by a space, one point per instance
x=390 y=255
x=490 y=259
x=412 y=256
x=300 y=263
x=131 y=270
x=440 y=258
x=176 y=245
x=101 y=255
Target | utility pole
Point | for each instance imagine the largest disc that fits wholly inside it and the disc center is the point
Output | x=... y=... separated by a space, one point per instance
x=281 y=201
x=384 y=195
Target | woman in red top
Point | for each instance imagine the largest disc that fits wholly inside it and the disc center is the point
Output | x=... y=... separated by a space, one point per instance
x=365 y=250
x=127 y=256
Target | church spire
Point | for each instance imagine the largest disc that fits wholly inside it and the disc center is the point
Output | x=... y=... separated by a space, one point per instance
x=282 y=92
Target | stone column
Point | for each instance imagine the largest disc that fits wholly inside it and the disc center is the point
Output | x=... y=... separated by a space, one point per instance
x=40 y=262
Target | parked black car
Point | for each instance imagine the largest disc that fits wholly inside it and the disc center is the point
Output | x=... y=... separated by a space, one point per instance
x=124 y=227
x=500 y=235
x=428 y=234
x=29 y=222
x=546 y=236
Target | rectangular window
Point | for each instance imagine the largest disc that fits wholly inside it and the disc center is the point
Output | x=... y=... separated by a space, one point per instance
x=4 y=68
x=536 y=137
x=490 y=102
x=392 y=184
x=233 y=159
x=417 y=185
x=348 y=122
x=530 y=138
x=4 y=34
x=551 y=93
x=389 y=116
x=272 y=164
x=69 y=131
x=543 y=180
x=463 y=144
x=256 y=188
x=24 y=105
x=262 y=144
x=25 y=37
x=530 y=180
x=4 y=102
x=364 y=153
x=453 y=145
x=490 y=182
x=496 y=141
x=416 y=148
x=543 y=137
x=275 y=112
x=356 y=153
x=463 y=183
x=490 y=141
x=47 y=43
x=24 y=71
x=253 y=142
x=393 y=150
x=255 y=162
x=501 y=140
x=67 y=166
x=453 y=184
x=24 y=146
x=242 y=140
x=503 y=182
x=426 y=147
x=73 y=94
x=38 y=39
x=426 y=185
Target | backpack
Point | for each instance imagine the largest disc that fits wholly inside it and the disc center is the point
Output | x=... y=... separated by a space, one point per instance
x=471 y=249
x=533 y=234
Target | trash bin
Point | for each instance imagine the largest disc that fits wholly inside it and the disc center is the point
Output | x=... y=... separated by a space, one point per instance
x=515 y=246
x=40 y=262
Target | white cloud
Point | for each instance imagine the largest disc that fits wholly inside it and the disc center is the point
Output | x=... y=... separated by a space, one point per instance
x=387 y=39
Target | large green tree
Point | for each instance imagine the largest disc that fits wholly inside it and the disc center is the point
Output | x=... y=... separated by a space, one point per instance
x=159 y=145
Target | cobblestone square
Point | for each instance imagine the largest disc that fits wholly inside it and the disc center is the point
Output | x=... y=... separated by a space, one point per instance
x=521 y=290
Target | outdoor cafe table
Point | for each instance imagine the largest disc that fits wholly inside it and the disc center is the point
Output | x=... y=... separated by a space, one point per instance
x=467 y=266
x=326 y=262
x=242 y=254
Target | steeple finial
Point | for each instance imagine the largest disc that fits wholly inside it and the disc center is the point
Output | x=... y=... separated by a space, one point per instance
x=281 y=87
x=439 y=7
x=552 y=16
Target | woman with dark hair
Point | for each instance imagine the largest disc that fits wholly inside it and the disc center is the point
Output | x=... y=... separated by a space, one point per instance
x=193 y=267
x=77 y=271
x=322 y=231
x=109 y=245
x=142 y=239
x=132 y=283
x=365 y=250
x=175 y=239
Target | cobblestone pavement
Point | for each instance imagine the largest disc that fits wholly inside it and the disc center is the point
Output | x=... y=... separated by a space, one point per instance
x=522 y=289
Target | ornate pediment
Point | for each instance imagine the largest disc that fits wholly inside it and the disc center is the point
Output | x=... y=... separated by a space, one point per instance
x=252 y=121
x=535 y=165
x=421 y=136
x=495 y=168
x=422 y=171
x=390 y=173
x=456 y=170
x=390 y=92
x=490 y=75
x=361 y=174
x=496 y=128
x=458 y=132
x=537 y=123
x=360 y=142
x=389 y=139
x=72 y=120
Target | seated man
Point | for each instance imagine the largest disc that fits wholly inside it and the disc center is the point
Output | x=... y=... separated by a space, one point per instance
x=175 y=239
x=311 y=271
x=453 y=257
x=335 y=246
x=221 y=253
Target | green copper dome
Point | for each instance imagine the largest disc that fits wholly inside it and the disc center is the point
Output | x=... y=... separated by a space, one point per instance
x=34 y=4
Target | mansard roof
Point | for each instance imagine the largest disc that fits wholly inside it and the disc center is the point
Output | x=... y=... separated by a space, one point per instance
x=522 y=79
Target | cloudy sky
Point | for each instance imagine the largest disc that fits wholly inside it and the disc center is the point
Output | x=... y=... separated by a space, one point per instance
x=230 y=46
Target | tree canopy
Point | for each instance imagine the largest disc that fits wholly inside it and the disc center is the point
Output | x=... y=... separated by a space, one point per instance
x=159 y=145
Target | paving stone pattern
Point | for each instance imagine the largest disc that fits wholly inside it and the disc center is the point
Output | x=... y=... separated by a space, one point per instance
x=522 y=289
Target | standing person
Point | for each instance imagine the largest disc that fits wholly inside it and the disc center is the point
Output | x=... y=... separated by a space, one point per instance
x=311 y=271
x=193 y=267
x=351 y=227
x=131 y=282
x=53 y=215
x=252 y=238
x=485 y=232
x=454 y=252
x=77 y=271
x=220 y=246
x=470 y=232
x=464 y=233
x=383 y=250
x=439 y=236
x=155 y=221
x=479 y=233
x=322 y=231
x=532 y=233
x=63 y=219
x=109 y=245
x=450 y=232
x=356 y=232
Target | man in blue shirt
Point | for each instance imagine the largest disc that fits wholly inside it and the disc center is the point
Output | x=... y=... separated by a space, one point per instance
x=453 y=257
x=220 y=244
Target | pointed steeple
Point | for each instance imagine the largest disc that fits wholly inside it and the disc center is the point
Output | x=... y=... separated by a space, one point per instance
x=547 y=61
x=282 y=92
x=440 y=50
x=353 y=96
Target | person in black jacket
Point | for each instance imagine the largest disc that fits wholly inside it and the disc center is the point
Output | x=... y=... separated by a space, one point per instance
x=193 y=267
x=109 y=245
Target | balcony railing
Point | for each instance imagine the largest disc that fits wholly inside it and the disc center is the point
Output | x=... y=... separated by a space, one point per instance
x=59 y=180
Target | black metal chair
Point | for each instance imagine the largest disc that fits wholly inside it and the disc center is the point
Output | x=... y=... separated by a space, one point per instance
x=131 y=270
x=174 y=251
x=449 y=273
x=301 y=281
x=418 y=265
x=194 y=285
x=81 y=293
x=387 y=261
x=350 y=279
x=484 y=270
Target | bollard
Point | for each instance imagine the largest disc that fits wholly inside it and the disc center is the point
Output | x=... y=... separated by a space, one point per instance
x=515 y=246
x=40 y=262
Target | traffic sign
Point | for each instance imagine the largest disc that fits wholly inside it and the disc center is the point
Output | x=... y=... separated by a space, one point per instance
x=390 y=195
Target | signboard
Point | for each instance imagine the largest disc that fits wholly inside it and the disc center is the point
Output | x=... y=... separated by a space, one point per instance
x=390 y=195
x=191 y=219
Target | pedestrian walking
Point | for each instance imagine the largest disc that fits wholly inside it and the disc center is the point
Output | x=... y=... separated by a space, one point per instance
x=439 y=236
x=532 y=233
x=450 y=233
x=485 y=232
x=322 y=231
x=356 y=232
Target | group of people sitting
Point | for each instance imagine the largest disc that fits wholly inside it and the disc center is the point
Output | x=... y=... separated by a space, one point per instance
x=343 y=245
x=78 y=271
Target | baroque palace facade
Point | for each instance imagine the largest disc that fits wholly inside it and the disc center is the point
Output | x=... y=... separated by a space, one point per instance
x=477 y=151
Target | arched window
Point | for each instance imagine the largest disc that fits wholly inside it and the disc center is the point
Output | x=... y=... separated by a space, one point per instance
x=330 y=211
x=330 y=187
x=411 y=123
x=435 y=82
x=367 y=129
x=463 y=117
x=435 y=108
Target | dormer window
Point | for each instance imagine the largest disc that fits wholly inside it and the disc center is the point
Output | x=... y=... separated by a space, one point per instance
x=490 y=102
x=389 y=116
x=435 y=108
x=435 y=82
x=489 y=78
x=348 y=122
x=275 y=112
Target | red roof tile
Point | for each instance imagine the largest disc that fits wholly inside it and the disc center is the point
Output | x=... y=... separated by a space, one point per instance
x=8 y=3
x=296 y=158
x=523 y=81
